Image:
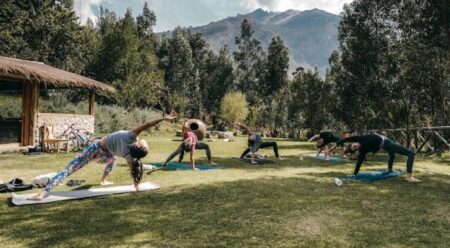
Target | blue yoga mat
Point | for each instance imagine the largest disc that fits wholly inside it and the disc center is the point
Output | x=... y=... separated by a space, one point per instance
x=179 y=166
x=322 y=157
x=370 y=176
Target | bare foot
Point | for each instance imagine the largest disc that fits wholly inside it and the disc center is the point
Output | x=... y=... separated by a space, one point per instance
x=254 y=162
x=104 y=183
x=195 y=169
x=413 y=180
x=280 y=158
x=39 y=196
x=212 y=163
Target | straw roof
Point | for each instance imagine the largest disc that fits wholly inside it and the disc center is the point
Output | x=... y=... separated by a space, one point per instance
x=32 y=71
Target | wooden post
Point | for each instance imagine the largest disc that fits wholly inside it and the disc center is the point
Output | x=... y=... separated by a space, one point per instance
x=25 y=138
x=34 y=109
x=91 y=102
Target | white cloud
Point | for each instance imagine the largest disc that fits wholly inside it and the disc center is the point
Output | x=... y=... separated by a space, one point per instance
x=83 y=9
x=172 y=13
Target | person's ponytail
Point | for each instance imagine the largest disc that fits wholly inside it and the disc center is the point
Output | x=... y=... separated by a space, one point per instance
x=136 y=171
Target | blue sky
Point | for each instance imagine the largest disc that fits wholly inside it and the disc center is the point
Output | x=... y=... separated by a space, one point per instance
x=172 y=13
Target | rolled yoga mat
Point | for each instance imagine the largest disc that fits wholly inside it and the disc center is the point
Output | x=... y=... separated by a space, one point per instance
x=80 y=194
x=180 y=166
x=322 y=157
x=370 y=176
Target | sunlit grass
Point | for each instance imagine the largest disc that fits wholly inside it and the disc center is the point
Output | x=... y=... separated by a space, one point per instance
x=291 y=203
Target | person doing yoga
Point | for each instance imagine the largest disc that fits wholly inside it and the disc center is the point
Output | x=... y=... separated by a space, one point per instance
x=199 y=146
x=373 y=143
x=125 y=144
x=189 y=144
x=255 y=142
x=322 y=140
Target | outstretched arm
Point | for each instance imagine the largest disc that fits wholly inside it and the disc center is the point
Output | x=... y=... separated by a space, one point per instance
x=320 y=150
x=361 y=158
x=153 y=123
x=346 y=140
x=243 y=126
x=314 y=138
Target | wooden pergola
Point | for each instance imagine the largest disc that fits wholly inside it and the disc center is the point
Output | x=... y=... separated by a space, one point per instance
x=33 y=75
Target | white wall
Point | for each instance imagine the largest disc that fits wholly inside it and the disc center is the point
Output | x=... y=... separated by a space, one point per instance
x=61 y=122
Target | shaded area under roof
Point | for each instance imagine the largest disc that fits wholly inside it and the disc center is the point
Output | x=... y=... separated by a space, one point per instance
x=32 y=71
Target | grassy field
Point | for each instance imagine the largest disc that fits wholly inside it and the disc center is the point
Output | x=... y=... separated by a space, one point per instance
x=291 y=203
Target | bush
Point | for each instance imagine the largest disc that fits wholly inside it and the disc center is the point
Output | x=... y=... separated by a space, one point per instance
x=113 y=118
x=234 y=108
x=10 y=106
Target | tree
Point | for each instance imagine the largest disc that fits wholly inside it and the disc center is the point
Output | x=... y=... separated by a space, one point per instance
x=45 y=31
x=309 y=107
x=234 y=108
x=176 y=60
x=275 y=90
x=146 y=21
x=125 y=59
x=218 y=80
x=250 y=60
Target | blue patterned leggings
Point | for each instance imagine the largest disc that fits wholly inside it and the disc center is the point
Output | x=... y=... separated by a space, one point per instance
x=91 y=152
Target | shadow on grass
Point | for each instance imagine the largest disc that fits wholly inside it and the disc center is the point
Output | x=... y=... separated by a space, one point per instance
x=300 y=147
x=295 y=211
x=84 y=186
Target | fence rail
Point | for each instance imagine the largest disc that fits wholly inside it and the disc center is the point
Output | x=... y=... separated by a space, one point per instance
x=426 y=140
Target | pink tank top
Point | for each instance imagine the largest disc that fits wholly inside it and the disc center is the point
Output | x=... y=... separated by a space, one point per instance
x=191 y=135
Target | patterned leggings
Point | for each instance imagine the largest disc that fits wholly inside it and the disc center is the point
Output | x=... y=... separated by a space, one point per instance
x=91 y=152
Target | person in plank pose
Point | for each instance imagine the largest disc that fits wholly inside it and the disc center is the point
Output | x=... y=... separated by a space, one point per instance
x=373 y=143
x=255 y=142
x=125 y=144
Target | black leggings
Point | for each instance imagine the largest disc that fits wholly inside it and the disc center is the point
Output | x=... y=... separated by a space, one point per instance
x=392 y=148
x=264 y=145
x=198 y=146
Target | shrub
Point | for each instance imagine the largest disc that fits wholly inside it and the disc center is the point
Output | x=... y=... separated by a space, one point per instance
x=234 y=108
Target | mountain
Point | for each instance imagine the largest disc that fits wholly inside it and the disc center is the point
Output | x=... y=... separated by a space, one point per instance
x=310 y=35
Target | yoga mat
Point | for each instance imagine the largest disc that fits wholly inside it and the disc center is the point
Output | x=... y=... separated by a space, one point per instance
x=180 y=166
x=322 y=157
x=80 y=194
x=370 y=176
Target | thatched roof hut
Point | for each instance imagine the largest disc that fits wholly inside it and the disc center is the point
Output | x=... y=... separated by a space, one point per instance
x=32 y=71
x=33 y=75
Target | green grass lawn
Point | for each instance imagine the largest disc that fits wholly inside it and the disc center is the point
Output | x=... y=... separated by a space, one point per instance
x=291 y=203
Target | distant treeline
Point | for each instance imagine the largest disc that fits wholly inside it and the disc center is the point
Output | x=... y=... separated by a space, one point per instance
x=392 y=68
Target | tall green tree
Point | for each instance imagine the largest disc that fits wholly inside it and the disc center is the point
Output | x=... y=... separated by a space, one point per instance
x=275 y=88
x=218 y=80
x=45 y=31
x=250 y=59
x=175 y=55
x=125 y=59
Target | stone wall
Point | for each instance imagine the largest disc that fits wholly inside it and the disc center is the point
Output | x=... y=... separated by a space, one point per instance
x=62 y=122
